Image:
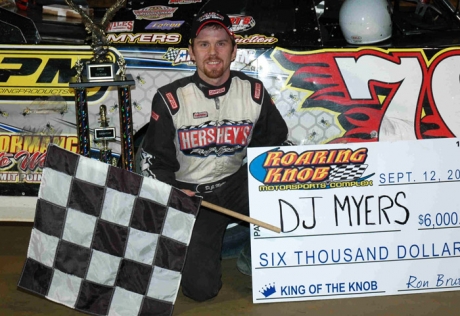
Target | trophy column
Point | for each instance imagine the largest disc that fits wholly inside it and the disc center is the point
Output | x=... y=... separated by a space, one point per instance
x=126 y=127
x=81 y=110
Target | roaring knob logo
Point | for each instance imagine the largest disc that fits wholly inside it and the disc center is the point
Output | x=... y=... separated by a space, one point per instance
x=310 y=169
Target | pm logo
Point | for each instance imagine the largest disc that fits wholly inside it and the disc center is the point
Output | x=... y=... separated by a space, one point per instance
x=28 y=72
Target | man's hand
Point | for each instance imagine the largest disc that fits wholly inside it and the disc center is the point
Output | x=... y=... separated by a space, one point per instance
x=188 y=192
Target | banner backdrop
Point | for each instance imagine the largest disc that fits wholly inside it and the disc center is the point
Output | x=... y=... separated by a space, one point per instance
x=356 y=220
x=359 y=94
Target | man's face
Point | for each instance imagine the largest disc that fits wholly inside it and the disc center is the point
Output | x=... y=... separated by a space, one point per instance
x=213 y=52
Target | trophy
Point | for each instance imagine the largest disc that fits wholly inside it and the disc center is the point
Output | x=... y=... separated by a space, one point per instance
x=101 y=71
x=100 y=67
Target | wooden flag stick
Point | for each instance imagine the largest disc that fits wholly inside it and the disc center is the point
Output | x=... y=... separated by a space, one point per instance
x=240 y=216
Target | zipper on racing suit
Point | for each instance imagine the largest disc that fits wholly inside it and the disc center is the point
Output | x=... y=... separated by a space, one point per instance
x=216 y=100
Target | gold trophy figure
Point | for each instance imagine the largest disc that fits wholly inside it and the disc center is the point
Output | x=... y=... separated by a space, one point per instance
x=100 y=67
x=79 y=70
x=99 y=42
x=121 y=68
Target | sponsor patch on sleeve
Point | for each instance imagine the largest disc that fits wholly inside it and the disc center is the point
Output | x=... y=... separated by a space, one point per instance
x=257 y=91
x=172 y=101
x=155 y=116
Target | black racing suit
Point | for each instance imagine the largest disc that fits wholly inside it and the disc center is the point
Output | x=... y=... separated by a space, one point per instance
x=197 y=139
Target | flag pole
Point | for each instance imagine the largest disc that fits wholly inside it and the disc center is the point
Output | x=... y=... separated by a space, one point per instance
x=240 y=216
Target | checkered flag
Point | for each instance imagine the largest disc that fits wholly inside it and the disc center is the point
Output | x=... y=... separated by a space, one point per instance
x=107 y=241
x=171 y=54
x=346 y=172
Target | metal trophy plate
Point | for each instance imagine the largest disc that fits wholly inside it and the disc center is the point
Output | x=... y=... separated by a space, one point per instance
x=104 y=133
x=100 y=71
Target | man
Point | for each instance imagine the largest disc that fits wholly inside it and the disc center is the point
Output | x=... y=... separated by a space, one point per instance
x=197 y=138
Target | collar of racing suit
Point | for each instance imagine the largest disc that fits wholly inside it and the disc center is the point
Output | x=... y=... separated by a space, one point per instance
x=211 y=91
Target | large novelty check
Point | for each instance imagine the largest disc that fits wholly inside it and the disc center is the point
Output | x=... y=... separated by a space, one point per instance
x=360 y=219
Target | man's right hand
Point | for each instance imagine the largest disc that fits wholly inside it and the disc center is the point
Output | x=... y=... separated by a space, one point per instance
x=188 y=192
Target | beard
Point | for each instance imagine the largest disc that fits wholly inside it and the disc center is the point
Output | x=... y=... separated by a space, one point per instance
x=214 y=72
